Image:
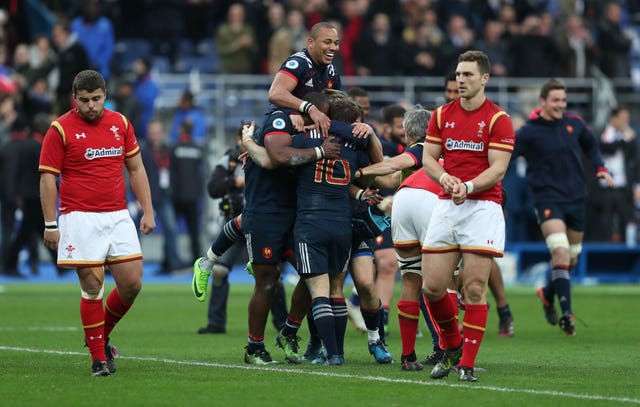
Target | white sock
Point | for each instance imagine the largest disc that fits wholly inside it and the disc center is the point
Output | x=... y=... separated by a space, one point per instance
x=373 y=336
x=211 y=255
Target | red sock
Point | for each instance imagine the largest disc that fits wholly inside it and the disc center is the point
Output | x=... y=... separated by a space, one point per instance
x=408 y=317
x=444 y=313
x=475 y=323
x=114 y=311
x=454 y=298
x=92 y=316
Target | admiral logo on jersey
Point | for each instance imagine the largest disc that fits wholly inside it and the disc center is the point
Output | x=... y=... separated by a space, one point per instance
x=463 y=145
x=93 y=153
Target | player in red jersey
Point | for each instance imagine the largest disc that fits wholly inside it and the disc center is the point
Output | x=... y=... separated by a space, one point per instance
x=87 y=148
x=476 y=138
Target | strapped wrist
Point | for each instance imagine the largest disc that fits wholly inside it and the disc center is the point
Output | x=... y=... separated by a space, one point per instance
x=444 y=174
x=469 y=187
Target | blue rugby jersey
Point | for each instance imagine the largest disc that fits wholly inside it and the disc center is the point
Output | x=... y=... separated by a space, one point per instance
x=553 y=150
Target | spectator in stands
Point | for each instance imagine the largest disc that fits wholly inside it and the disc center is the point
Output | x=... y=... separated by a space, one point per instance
x=95 y=33
x=534 y=53
x=496 y=48
x=187 y=183
x=188 y=111
x=71 y=59
x=577 y=47
x=156 y=157
x=376 y=51
x=458 y=38
x=614 y=42
x=280 y=43
x=163 y=25
x=620 y=153
x=352 y=21
x=236 y=43
x=419 y=56
x=127 y=103
x=146 y=90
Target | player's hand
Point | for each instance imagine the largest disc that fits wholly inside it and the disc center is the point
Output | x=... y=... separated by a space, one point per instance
x=297 y=121
x=147 y=224
x=606 y=177
x=331 y=149
x=51 y=239
x=321 y=120
x=243 y=158
x=459 y=193
x=247 y=132
x=362 y=130
x=449 y=183
x=372 y=195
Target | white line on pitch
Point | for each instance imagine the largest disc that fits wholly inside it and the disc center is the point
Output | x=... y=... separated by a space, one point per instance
x=343 y=375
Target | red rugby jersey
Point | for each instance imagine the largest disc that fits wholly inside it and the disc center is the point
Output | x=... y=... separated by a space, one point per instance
x=466 y=138
x=89 y=157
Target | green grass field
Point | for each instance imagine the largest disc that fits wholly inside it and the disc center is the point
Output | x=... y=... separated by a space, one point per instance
x=165 y=363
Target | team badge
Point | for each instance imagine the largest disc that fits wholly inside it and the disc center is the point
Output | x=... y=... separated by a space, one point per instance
x=292 y=64
x=481 y=127
x=569 y=129
x=267 y=252
x=69 y=249
x=547 y=213
x=278 y=124
x=114 y=130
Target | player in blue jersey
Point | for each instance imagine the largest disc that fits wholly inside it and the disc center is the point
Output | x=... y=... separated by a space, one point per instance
x=309 y=70
x=322 y=231
x=553 y=142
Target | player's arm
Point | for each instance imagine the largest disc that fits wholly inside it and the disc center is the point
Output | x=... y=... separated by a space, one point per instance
x=388 y=166
x=280 y=152
x=48 y=200
x=140 y=187
x=498 y=164
x=257 y=153
x=435 y=171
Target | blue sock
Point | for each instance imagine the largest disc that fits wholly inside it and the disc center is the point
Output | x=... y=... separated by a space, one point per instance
x=325 y=324
x=230 y=234
x=339 y=308
x=561 y=284
x=504 y=312
x=432 y=330
x=354 y=299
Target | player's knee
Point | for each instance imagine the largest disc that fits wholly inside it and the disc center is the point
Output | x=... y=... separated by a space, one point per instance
x=557 y=242
x=574 y=251
x=94 y=292
x=410 y=265
x=474 y=291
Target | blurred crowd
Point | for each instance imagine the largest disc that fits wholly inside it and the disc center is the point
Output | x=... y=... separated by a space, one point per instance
x=44 y=44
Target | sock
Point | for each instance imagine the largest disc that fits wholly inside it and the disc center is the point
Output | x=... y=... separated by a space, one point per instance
x=291 y=327
x=408 y=317
x=561 y=284
x=371 y=318
x=444 y=313
x=433 y=327
x=384 y=320
x=255 y=343
x=92 y=317
x=504 y=313
x=231 y=232
x=547 y=290
x=475 y=323
x=339 y=308
x=453 y=296
x=323 y=317
x=114 y=311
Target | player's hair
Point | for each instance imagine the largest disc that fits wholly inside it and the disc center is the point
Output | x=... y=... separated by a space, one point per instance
x=416 y=121
x=319 y=100
x=390 y=112
x=345 y=110
x=357 y=92
x=550 y=85
x=88 y=80
x=479 y=57
x=313 y=33
x=449 y=78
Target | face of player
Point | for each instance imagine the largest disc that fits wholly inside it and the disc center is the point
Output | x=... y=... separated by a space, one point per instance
x=324 y=47
x=90 y=105
x=555 y=104
x=364 y=103
x=397 y=131
x=451 y=91
x=470 y=81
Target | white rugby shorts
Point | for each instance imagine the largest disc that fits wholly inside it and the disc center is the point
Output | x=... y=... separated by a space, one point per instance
x=91 y=239
x=410 y=215
x=476 y=226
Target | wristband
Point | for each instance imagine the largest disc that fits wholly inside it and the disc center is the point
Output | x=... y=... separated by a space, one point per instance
x=51 y=226
x=305 y=107
x=469 y=187
x=319 y=153
x=360 y=195
x=444 y=174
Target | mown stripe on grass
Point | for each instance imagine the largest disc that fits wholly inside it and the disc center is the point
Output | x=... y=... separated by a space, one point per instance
x=341 y=375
